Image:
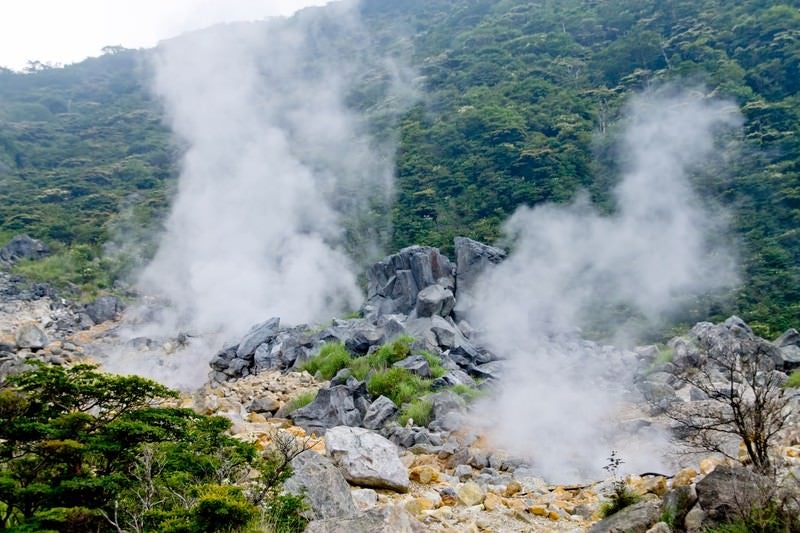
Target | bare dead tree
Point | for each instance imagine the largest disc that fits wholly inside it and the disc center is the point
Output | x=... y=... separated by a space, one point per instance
x=744 y=400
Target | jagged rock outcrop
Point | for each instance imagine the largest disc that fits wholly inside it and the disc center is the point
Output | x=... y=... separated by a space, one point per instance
x=23 y=247
x=393 y=285
x=104 y=309
x=472 y=258
x=339 y=405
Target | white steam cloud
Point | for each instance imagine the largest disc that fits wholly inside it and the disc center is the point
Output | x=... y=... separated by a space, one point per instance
x=276 y=165
x=559 y=402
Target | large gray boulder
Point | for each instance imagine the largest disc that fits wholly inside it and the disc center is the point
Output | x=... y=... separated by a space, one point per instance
x=472 y=258
x=727 y=490
x=379 y=520
x=104 y=308
x=789 y=346
x=394 y=283
x=366 y=459
x=636 y=518
x=334 y=406
x=325 y=488
x=31 y=336
x=23 y=247
x=258 y=334
x=434 y=300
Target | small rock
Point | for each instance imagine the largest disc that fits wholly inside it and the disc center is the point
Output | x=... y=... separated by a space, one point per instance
x=364 y=498
x=470 y=493
x=379 y=412
x=660 y=527
x=492 y=502
x=366 y=458
x=265 y=404
x=449 y=496
x=425 y=474
x=512 y=488
x=684 y=477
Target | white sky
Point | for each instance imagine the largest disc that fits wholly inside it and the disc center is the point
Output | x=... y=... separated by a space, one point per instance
x=67 y=31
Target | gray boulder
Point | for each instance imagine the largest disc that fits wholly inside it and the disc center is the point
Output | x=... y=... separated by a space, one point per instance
x=416 y=364
x=392 y=519
x=434 y=300
x=104 y=308
x=23 y=247
x=334 y=406
x=326 y=490
x=678 y=502
x=366 y=459
x=379 y=412
x=790 y=337
x=453 y=377
x=31 y=336
x=258 y=334
x=727 y=489
x=472 y=258
x=636 y=518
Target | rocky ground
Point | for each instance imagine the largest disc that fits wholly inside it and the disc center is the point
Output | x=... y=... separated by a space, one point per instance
x=363 y=471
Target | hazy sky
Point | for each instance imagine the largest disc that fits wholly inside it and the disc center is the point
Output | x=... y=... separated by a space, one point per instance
x=67 y=31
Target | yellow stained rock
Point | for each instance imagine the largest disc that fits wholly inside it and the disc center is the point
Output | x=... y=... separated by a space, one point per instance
x=470 y=493
x=256 y=418
x=493 y=502
x=516 y=505
x=425 y=474
x=560 y=493
x=553 y=515
x=419 y=505
x=512 y=488
x=684 y=478
x=648 y=485
x=538 y=510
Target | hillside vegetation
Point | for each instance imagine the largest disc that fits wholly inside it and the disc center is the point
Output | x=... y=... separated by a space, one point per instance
x=519 y=102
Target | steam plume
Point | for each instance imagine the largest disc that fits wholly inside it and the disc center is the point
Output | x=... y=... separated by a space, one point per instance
x=275 y=167
x=559 y=402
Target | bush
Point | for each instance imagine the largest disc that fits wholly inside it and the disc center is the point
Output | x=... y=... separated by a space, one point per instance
x=398 y=384
x=620 y=498
x=332 y=357
x=221 y=508
x=794 y=380
x=419 y=410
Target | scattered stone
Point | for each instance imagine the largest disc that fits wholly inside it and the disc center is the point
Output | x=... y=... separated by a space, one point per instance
x=470 y=493
x=512 y=488
x=366 y=458
x=424 y=474
x=264 y=404
x=416 y=364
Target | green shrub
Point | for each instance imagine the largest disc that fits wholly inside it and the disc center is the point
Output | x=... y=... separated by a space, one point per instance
x=332 y=357
x=419 y=410
x=301 y=400
x=620 y=498
x=284 y=514
x=794 y=380
x=392 y=352
x=221 y=508
x=397 y=384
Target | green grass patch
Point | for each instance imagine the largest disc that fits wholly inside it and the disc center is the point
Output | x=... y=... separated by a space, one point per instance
x=398 y=384
x=621 y=498
x=419 y=410
x=332 y=357
x=69 y=267
x=435 y=364
x=794 y=380
x=301 y=400
x=467 y=392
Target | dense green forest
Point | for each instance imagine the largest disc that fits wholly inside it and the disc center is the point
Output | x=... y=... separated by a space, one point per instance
x=518 y=105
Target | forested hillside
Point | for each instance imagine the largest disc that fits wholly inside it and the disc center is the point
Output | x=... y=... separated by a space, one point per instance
x=518 y=105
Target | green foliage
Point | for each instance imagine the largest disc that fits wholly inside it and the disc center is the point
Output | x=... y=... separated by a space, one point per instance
x=332 y=357
x=76 y=266
x=397 y=384
x=419 y=410
x=85 y=451
x=621 y=495
x=794 y=380
x=465 y=391
x=301 y=400
x=284 y=514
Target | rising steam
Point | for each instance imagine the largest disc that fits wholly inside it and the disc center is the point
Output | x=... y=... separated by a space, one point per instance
x=560 y=399
x=275 y=170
